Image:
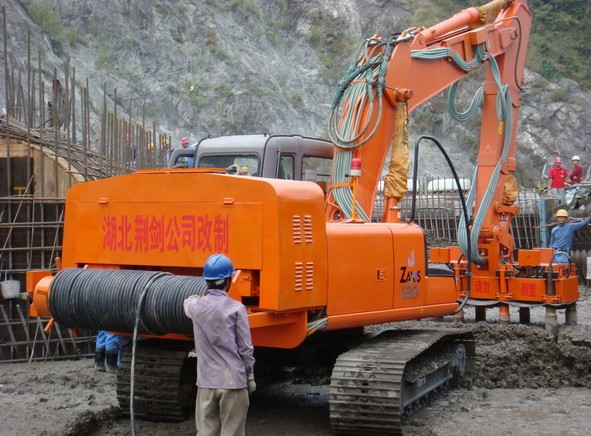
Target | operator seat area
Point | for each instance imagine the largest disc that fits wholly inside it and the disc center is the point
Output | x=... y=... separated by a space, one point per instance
x=439 y=270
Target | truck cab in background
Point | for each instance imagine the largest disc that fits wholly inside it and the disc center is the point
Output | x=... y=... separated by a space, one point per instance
x=288 y=157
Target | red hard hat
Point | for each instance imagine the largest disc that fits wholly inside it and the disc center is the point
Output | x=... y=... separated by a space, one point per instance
x=184 y=140
x=557 y=160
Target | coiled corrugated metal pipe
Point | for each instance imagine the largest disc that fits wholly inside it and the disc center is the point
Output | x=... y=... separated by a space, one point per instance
x=108 y=299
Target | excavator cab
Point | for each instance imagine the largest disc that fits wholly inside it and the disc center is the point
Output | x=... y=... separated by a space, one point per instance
x=285 y=157
x=182 y=157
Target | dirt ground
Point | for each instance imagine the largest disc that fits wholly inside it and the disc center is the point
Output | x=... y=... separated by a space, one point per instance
x=525 y=383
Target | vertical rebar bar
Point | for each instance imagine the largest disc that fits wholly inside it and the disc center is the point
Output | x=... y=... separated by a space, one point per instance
x=73 y=106
x=67 y=120
x=114 y=133
x=41 y=125
x=56 y=122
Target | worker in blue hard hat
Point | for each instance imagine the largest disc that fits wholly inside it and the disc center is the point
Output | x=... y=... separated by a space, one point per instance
x=225 y=360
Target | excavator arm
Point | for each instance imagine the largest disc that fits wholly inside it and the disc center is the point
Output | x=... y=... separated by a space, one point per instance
x=393 y=76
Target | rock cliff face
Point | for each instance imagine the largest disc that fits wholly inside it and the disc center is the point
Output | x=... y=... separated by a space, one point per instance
x=228 y=67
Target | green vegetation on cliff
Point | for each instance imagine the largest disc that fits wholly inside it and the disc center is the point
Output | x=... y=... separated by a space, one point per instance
x=559 y=44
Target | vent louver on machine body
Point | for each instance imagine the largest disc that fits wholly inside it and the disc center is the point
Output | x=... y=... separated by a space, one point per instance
x=303 y=271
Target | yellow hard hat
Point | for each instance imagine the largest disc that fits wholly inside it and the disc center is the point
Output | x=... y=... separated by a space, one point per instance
x=562 y=212
x=243 y=170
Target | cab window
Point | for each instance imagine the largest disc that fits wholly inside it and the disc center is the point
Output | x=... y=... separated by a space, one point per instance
x=286 y=167
x=316 y=169
x=247 y=162
x=183 y=160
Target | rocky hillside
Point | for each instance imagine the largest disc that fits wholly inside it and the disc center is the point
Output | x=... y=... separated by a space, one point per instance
x=251 y=66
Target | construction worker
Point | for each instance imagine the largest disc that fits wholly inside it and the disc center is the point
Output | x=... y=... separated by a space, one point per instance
x=107 y=352
x=166 y=151
x=557 y=176
x=225 y=360
x=561 y=237
x=190 y=161
x=576 y=174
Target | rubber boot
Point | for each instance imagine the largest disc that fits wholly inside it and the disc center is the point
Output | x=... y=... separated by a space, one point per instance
x=99 y=360
x=111 y=359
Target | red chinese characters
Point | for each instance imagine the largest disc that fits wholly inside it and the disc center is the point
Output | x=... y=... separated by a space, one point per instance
x=482 y=287
x=528 y=289
x=147 y=233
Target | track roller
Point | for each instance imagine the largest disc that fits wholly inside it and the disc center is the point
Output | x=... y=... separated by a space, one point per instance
x=165 y=380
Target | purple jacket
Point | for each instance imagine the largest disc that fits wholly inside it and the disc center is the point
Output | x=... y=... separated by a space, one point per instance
x=222 y=340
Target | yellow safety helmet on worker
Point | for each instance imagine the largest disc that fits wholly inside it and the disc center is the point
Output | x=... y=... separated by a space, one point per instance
x=562 y=213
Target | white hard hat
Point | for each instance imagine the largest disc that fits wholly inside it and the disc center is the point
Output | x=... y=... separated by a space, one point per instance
x=575 y=157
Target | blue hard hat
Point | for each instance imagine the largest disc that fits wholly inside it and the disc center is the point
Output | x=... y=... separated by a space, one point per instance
x=218 y=266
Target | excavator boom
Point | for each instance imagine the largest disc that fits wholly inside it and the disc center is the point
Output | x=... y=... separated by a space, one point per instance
x=397 y=74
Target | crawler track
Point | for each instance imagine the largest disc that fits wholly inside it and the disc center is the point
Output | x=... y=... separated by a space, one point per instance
x=164 y=382
x=374 y=385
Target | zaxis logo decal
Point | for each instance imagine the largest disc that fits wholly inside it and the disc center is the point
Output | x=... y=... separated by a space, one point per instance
x=408 y=278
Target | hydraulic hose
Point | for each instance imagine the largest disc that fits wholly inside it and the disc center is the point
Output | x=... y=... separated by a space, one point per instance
x=462 y=201
x=356 y=114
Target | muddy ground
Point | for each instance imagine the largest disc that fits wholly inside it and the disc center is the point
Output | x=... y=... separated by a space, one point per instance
x=525 y=383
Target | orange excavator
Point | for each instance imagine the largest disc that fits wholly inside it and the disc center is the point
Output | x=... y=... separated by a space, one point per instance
x=311 y=264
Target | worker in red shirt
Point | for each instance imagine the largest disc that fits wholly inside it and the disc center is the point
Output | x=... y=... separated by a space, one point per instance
x=576 y=174
x=557 y=177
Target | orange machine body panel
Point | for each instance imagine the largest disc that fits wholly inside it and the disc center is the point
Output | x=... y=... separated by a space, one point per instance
x=445 y=254
x=272 y=229
x=484 y=287
x=382 y=276
x=537 y=256
x=566 y=290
